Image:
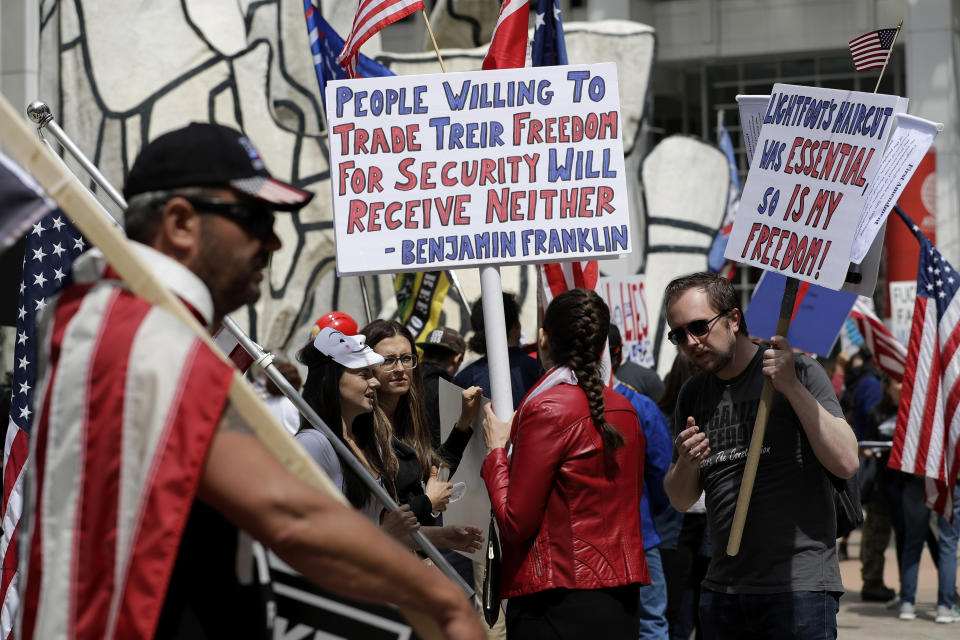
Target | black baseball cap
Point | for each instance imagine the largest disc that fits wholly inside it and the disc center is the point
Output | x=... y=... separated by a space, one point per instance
x=208 y=154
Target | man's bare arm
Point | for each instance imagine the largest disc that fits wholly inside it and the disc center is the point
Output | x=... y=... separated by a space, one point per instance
x=329 y=543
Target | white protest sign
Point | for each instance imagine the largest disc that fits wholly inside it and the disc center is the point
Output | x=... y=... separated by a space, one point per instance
x=817 y=152
x=627 y=299
x=909 y=143
x=903 y=295
x=474 y=507
x=752 y=109
x=466 y=169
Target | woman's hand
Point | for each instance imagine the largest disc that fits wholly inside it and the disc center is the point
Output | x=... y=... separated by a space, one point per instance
x=437 y=491
x=496 y=432
x=400 y=523
x=470 y=402
x=459 y=538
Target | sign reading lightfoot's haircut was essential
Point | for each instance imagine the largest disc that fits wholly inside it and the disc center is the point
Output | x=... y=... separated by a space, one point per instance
x=817 y=154
x=466 y=169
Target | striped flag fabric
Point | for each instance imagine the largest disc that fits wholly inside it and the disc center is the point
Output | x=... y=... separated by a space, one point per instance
x=927 y=437
x=52 y=244
x=128 y=400
x=231 y=348
x=372 y=16
x=870 y=50
x=889 y=355
x=508 y=43
x=325 y=46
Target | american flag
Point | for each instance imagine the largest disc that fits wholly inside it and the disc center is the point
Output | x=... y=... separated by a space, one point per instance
x=889 y=355
x=549 y=49
x=52 y=244
x=326 y=44
x=870 y=50
x=372 y=16
x=508 y=43
x=927 y=438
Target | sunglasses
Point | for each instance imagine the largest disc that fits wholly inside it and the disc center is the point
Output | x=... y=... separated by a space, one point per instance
x=255 y=218
x=697 y=328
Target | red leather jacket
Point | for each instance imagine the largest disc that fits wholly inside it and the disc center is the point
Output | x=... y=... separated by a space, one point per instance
x=565 y=518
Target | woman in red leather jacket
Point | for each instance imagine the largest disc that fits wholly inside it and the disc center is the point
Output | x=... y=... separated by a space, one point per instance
x=567 y=497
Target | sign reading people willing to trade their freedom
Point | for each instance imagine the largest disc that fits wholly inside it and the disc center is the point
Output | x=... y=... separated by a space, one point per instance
x=818 y=152
x=467 y=169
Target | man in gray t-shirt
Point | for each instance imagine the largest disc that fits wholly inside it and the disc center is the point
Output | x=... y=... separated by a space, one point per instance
x=786 y=578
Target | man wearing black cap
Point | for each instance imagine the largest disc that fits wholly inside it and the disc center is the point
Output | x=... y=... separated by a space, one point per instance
x=143 y=473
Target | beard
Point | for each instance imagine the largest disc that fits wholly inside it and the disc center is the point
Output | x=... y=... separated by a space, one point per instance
x=712 y=360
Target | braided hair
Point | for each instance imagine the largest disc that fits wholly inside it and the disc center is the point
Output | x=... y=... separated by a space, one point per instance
x=576 y=323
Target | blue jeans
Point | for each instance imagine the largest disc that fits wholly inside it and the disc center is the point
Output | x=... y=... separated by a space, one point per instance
x=798 y=615
x=653 y=601
x=916 y=521
x=947 y=566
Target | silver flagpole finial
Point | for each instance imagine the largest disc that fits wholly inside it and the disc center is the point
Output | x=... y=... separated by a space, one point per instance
x=39 y=112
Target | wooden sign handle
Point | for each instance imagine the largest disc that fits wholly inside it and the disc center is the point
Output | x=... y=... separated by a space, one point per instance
x=78 y=204
x=759 y=428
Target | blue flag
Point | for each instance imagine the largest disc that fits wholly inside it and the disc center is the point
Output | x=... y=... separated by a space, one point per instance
x=326 y=44
x=715 y=259
x=549 y=48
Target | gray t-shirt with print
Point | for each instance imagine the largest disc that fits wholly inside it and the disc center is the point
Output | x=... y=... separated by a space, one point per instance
x=789 y=540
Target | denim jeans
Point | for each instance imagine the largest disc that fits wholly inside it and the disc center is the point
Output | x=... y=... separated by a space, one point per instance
x=947 y=566
x=653 y=601
x=798 y=615
x=916 y=521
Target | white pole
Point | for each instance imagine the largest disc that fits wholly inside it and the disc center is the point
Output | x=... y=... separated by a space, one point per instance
x=494 y=326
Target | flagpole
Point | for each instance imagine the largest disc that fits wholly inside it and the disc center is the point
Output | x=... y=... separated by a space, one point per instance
x=889 y=53
x=39 y=112
x=426 y=21
x=760 y=427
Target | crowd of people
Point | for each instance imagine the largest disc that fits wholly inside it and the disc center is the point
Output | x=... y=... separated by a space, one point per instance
x=893 y=501
x=613 y=497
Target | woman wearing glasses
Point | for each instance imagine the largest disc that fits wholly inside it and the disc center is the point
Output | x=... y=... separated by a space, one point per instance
x=567 y=499
x=400 y=397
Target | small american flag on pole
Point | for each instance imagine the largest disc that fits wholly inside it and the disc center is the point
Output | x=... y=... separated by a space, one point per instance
x=870 y=50
x=372 y=16
x=927 y=438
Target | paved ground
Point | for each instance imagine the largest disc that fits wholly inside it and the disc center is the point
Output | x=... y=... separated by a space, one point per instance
x=873 y=621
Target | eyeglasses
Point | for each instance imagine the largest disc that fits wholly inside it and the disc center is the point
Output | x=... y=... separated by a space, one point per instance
x=697 y=328
x=255 y=218
x=390 y=363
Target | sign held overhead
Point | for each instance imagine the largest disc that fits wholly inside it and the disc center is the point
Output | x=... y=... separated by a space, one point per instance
x=467 y=169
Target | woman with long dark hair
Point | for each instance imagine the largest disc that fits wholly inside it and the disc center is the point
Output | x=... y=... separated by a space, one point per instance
x=341 y=387
x=400 y=399
x=567 y=499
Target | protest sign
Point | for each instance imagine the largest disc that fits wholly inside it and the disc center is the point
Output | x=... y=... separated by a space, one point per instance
x=304 y=610
x=818 y=313
x=627 y=300
x=909 y=143
x=903 y=296
x=752 y=109
x=818 y=151
x=474 y=507
x=482 y=168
